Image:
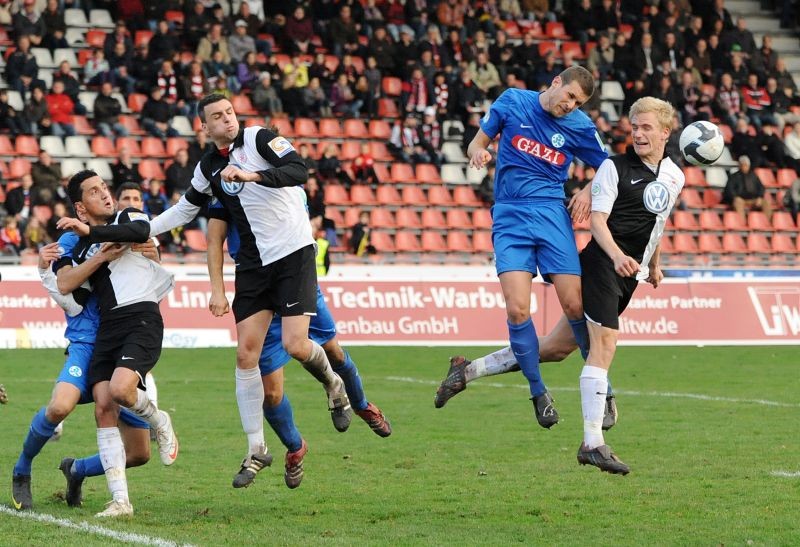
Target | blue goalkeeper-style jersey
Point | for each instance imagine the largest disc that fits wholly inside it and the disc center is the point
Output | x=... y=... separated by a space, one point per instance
x=536 y=148
x=81 y=327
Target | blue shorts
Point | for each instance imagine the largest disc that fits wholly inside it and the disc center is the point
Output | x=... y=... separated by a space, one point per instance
x=535 y=234
x=321 y=330
x=74 y=372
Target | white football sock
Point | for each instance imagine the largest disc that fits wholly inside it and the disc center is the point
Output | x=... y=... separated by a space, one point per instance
x=499 y=362
x=319 y=367
x=152 y=389
x=594 y=383
x=112 y=455
x=146 y=410
x=250 y=397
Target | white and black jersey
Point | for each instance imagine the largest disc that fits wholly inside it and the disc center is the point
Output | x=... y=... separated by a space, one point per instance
x=270 y=215
x=131 y=278
x=638 y=199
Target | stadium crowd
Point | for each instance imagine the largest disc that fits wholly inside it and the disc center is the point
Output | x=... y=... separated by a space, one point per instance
x=426 y=70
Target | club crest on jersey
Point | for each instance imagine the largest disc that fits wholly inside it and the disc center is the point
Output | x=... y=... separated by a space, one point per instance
x=75 y=371
x=231 y=187
x=557 y=140
x=537 y=149
x=656 y=197
x=241 y=156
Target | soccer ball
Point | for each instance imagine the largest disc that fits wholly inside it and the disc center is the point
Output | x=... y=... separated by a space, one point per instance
x=701 y=143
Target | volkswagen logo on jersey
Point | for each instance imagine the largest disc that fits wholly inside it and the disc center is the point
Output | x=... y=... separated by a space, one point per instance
x=75 y=372
x=656 y=197
x=557 y=140
x=231 y=187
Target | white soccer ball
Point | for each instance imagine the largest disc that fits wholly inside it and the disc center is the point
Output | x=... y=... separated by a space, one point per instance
x=701 y=143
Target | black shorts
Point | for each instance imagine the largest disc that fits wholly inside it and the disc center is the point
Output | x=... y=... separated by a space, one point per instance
x=606 y=294
x=129 y=337
x=287 y=286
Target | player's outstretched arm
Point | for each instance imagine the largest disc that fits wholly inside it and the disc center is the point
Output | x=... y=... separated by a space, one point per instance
x=218 y=304
x=580 y=206
x=477 y=151
x=47 y=255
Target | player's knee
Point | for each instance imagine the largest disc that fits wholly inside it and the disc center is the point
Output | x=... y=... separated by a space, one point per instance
x=273 y=397
x=58 y=410
x=297 y=347
x=122 y=394
x=518 y=314
x=573 y=307
x=137 y=458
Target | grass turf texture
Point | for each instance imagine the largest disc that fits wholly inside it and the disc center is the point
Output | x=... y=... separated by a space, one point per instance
x=477 y=471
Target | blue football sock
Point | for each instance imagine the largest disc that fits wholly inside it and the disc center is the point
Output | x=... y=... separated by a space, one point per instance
x=40 y=432
x=88 y=467
x=525 y=346
x=281 y=419
x=352 y=383
x=581 y=334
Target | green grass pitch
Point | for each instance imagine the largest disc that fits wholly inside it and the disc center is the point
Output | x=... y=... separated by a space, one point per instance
x=710 y=435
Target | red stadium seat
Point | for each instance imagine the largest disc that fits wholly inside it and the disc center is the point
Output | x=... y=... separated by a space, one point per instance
x=711 y=198
x=684 y=243
x=766 y=176
x=465 y=195
x=103 y=147
x=408 y=218
x=402 y=173
x=329 y=127
x=547 y=46
x=413 y=195
x=382 y=242
x=734 y=221
x=459 y=219
x=283 y=125
x=381 y=218
x=243 y=106
x=482 y=242
x=391 y=86
x=388 y=195
x=733 y=243
x=782 y=243
x=433 y=242
x=196 y=240
x=439 y=195
x=555 y=29
x=331 y=62
x=350 y=150
x=433 y=218
x=572 y=48
x=694 y=176
x=362 y=195
x=334 y=215
x=174 y=144
x=757 y=243
x=42 y=213
x=710 y=221
x=26 y=145
x=387 y=108
x=136 y=101
x=379 y=152
x=6 y=148
x=428 y=174
x=756 y=220
x=153 y=147
x=782 y=221
x=142 y=37
x=131 y=144
x=174 y=16
x=406 y=241
x=131 y=123
x=458 y=242
x=336 y=194
x=17 y=168
x=95 y=38
x=379 y=129
x=786 y=177
x=151 y=169
x=691 y=198
x=666 y=244
x=709 y=243
x=482 y=218
x=381 y=172
x=683 y=220
x=355 y=129
x=351 y=216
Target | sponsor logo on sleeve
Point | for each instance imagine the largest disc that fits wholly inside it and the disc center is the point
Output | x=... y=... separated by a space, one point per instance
x=138 y=216
x=281 y=146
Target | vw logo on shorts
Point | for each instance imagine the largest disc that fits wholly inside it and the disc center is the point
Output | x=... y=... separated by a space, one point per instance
x=75 y=371
x=557 y=140
x=656 y=197
x=231 y=187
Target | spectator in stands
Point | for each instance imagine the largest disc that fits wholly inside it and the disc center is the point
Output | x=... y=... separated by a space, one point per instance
x=693 y=33
x=247 y=71
x=220 y=71
x=305 y=154
x=416 y=94
x=252 y=13
x=364 y=167
x=745 y=144
x=582 y=22
x=343 y=99
x=157 y=115
x=217 y=15
x=95 y=71
x=545 y=72
x=431 y=136
x=315 y=100
x=330 y=168
x=163 y=44
x=179 y=175
x=729 y=101
x=406 y=143
x=688 y=66
x=719 y=13
x=701 y=59
x=601 y=59
x=55 y=27
x=348 y=68
x=742 y=37
x=360 y=236
x=28 y=22
x=758 y=106
x=9 y=118
x=21 y=68
x=193 y=86
x=119 y=36
x=265 y=97
x=666 y=91
x=485 y=190
x=738 y=69
x=319 y=69
x=195 y=25
x=315 y=199
x=119 y=64
x=764 y=59
x=745 y=191
x=406 y=53
x=718 y=56
x=155 y=202
x=211 y=42
x=343 y=33
x=783 y=76
x=433 y=42
x=772 y=147
x=124 y=170
x=637 y=91
x=36 y=115
x=781 y=100
x=792 y=143
x=450 y=14
x=21 y=200
x=672 y=52
x=72 y=85
x=60 y=108
x=485 y=75
x=366 y=97
x=298 y=32
x=46 y=174
x=646 y=57
x=35 y=235
x=199 y=146
x=382 y=48
x=791 y=199
x=240 y=44
x=374 y=84
x=59 y=211
x=692 y=103
x=10 y=237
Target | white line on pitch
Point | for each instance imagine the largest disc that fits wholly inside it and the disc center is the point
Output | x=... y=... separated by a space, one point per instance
x=668 y=394
x=786 y=474
x=128 y=537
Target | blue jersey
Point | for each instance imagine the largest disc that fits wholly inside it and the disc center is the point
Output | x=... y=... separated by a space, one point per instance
x=536 y=148
x=82 y=327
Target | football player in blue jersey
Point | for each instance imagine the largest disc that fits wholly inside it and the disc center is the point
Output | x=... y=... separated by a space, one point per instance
x=540 y=134
x=322 y=329
x=71 y=389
